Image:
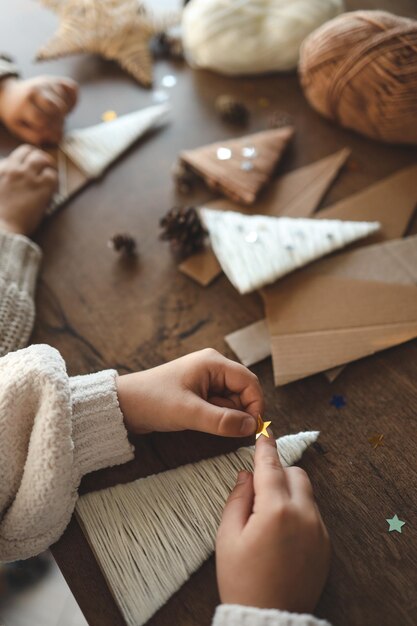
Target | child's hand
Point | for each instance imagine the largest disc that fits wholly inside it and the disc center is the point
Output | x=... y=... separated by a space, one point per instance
x=35 y=109
x=201 y=391
x=273 y=550
x=28 y=180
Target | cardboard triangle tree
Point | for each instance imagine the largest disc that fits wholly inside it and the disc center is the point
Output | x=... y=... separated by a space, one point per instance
x=85 y=154
x=150 y=535
x=296 y=194
x=239 y=168
x=391 y=201
x=256 y=250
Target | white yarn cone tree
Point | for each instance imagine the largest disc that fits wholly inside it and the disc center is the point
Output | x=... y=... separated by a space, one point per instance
x=85 y=154
x=256 y=250
x=150 y=535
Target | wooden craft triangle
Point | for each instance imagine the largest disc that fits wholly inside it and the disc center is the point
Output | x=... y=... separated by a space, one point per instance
x=229 y=175
x=318 y=321
x=85 y=154
x=256 y=250
x=296 y=194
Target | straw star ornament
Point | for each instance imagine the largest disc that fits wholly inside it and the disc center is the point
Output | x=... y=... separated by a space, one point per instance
x=117 y=31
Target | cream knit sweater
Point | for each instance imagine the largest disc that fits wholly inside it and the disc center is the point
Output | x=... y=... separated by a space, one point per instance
x=54 y=429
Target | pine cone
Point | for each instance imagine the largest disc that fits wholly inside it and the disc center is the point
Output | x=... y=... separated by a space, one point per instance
x=231 y=110
x=279 y=119
x=185 y=179
x=125 y=244
x=183 y=229
x=167 y=46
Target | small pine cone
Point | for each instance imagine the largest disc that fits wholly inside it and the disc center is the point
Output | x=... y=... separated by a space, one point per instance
x=185 y=179
x=231 y=110
x=168 y=46
x=125 y=244
x=183 y=229
x=279 y=119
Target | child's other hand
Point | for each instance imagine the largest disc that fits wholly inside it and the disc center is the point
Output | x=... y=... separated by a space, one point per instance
x=28 y=180
x=35 y=109
x=201 y=391
x=273 y=550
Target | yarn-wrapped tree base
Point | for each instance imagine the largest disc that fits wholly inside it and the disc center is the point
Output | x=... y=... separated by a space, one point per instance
x=150 y=535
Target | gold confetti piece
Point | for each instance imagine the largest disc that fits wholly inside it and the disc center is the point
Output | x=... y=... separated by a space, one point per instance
x=264 y=103
x=261 y=427
x=376 y=441
x=109 y=116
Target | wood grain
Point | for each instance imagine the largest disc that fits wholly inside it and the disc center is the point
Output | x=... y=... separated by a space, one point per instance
x=101 y=312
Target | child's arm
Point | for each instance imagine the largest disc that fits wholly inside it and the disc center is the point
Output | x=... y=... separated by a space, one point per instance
x=273 y=550
x=54 y=429
x=35 y=109
x=28 y=179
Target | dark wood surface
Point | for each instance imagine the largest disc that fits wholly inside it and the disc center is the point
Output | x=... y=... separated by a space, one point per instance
x=101 y=313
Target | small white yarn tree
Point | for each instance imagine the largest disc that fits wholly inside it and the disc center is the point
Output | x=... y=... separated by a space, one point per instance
x=150 y=535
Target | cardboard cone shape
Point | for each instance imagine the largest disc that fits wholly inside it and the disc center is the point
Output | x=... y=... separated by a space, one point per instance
x=85 y=154
x=256 y=250
x=239 y=168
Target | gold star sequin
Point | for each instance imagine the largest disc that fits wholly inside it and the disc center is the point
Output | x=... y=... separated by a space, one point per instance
x=376 y=441
x=118 y=31
x=109 y=116
x=261 y=427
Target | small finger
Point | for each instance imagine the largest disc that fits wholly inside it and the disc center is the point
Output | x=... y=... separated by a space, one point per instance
x=39 y=160
x=48 y=103
x=299 y=485
x=219 y=420
x=68 y=90
x=238 y=508
x=35 y=117
x=20 y=153
x=269 y=476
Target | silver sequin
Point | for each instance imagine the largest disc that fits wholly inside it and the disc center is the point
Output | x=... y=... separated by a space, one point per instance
x=224 y=154
x=169 y=81
x=249 y=152
x=247 y=166
x=160 y=95
x=251 y=237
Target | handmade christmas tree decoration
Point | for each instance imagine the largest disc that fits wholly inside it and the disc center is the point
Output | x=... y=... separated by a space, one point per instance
x=150 y=535
x=85 y=154
x=256 y=250
x=296 y=194
x=368 y=302
x=118 y=31
x=239 y=168
x=391 y=201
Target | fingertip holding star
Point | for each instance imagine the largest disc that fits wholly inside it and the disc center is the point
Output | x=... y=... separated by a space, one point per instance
x=395 y=524
x=261 y=428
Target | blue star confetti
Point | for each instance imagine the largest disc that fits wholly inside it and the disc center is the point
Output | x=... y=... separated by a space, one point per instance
x=338 y=401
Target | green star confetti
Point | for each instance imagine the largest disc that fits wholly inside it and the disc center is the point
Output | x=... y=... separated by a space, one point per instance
x=395 y=524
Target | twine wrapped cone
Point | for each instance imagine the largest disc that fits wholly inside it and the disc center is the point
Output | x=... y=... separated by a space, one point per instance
x=360 y=70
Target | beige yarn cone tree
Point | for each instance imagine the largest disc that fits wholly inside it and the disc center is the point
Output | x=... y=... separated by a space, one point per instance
x=85 y=154
x=118 y=31
x=239 y=168
x=150 y=535
x=256 y=250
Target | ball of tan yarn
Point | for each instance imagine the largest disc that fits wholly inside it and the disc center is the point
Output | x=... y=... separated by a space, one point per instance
x=360 y=69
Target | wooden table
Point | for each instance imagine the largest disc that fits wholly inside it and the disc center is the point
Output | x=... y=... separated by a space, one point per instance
x=102 y=313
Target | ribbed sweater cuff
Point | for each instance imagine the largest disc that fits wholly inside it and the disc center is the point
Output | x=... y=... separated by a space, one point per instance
x=7 y=68
x=19 y=261
x=99 y=435
x=237 y=615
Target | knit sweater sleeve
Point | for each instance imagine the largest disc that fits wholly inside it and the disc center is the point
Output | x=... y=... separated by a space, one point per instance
x=236 y=615
x=53 y=430
x=19 y=264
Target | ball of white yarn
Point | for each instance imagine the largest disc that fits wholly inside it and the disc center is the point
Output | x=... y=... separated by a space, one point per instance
x=251 y=36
